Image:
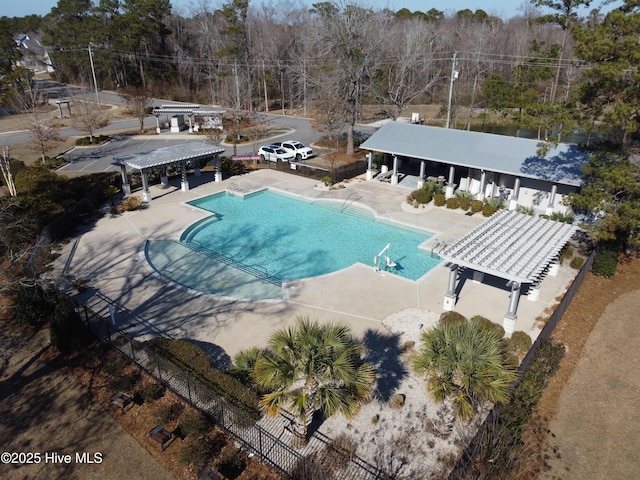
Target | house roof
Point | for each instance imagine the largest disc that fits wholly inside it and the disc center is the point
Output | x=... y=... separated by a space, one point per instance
x=167 y=155
x=485 y=151
x=511 y=245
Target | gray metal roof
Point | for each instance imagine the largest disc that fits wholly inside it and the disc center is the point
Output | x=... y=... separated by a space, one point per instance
x=167 y=155
x=494 y=153
x=188 y=109
x=511 y=245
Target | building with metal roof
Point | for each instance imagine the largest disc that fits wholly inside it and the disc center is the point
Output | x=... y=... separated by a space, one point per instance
x=189 y=154
x=523 y=171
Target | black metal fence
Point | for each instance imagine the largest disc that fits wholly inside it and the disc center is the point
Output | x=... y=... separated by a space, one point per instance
x=253 y=438
x=471 y=453
x=317 y=172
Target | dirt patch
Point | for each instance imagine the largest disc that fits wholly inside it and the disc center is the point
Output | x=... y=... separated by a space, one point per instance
x=579 y=414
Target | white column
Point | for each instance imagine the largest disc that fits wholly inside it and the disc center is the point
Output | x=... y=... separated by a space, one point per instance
x=513 y=198
x=184 y=183
x=146 y=193
x=158 y=124
x=422 y=169
x=483 y=181
x=164 y=179
x=449 y=191
x=369 y=176
x=394 y=177
x=450 y=297
x=126 y=187
x=552 y=198
x=509 y=321
x=217 y=167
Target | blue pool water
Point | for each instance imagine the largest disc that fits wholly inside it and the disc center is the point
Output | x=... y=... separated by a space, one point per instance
x=291 y=239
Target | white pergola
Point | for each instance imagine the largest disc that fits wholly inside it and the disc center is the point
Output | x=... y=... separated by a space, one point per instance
x=515 y=246
x=162 y=158
x=183 y=109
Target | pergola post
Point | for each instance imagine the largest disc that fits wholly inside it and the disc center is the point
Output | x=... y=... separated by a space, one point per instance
x=158 y=124
x=450 y=297
x=146 y=193
x=449 y=191
x=184 y=183
x=126 y=187
x=217 y=168
x=164 y=178
x=552 y=198
x=483 y=183
x=422 y=173
x=394 y=176
x=509 y=321
x=513 y=199
x=369 y=176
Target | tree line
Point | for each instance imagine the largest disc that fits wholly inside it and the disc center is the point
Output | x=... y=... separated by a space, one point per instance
x=541 y=71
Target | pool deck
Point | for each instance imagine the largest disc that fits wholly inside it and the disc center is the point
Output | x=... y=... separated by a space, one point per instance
x=108 y=254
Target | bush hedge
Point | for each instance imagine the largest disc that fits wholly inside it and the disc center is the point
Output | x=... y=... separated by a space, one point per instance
x=605 y=262
x=66 y=330
x=465 y=203
x=31 y=306
x=422 y=196
x=476 y=206
x=453 y=203
x=193 y=361
x=439 y=200
x=451 y=318
x=576 y=263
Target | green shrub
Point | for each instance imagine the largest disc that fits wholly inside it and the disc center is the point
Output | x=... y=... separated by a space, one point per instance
x=525 y=210
x=465 y=203
x=439 y=200
x=566 y=253
x=451 y=318
x=192 y=360
x=66 y=330
x=131 y=203
x=476 y=206
x=488 y=324
x=605 y=263
x=194 y=423
x=168 y=413
x=31 y=307
x=326 y=180
x=125 y=382
x=519 y=342
x=197 y=451
x=148 y=393
x=422 y=196
x=576 y=263
x=453 y=203
x=488 y=210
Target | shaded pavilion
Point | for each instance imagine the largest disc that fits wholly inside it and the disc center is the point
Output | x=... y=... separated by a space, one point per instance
x=520 y=248
x=187 y=155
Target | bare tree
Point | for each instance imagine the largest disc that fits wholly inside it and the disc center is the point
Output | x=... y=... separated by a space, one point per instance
x=5 y=166
x=138 y=103
x=411 y=66
x=89 y=117
x=349 y=39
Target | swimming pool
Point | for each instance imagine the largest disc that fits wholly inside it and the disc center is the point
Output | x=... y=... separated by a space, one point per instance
x=278 y=237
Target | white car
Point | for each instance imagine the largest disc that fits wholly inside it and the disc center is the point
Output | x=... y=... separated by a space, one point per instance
x=273 y=153
x=299 y=150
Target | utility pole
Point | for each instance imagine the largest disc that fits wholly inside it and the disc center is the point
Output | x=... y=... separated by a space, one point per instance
x=93 y=72
x=454 y=75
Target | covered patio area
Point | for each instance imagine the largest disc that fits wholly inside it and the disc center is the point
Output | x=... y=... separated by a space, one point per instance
x=519 y=248
x=188 y=155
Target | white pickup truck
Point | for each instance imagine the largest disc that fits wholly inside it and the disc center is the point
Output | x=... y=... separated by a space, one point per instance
x=301 y=151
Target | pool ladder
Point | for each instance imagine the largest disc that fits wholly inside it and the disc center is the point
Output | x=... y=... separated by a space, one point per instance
x=346 y=204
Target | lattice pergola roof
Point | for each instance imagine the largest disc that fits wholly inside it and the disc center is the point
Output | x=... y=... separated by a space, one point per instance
x=511 y=245
x=186 y=109
x=166 y=156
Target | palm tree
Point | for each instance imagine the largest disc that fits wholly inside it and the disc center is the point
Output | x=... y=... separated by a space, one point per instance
x=312 y=367
x=466 y=364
